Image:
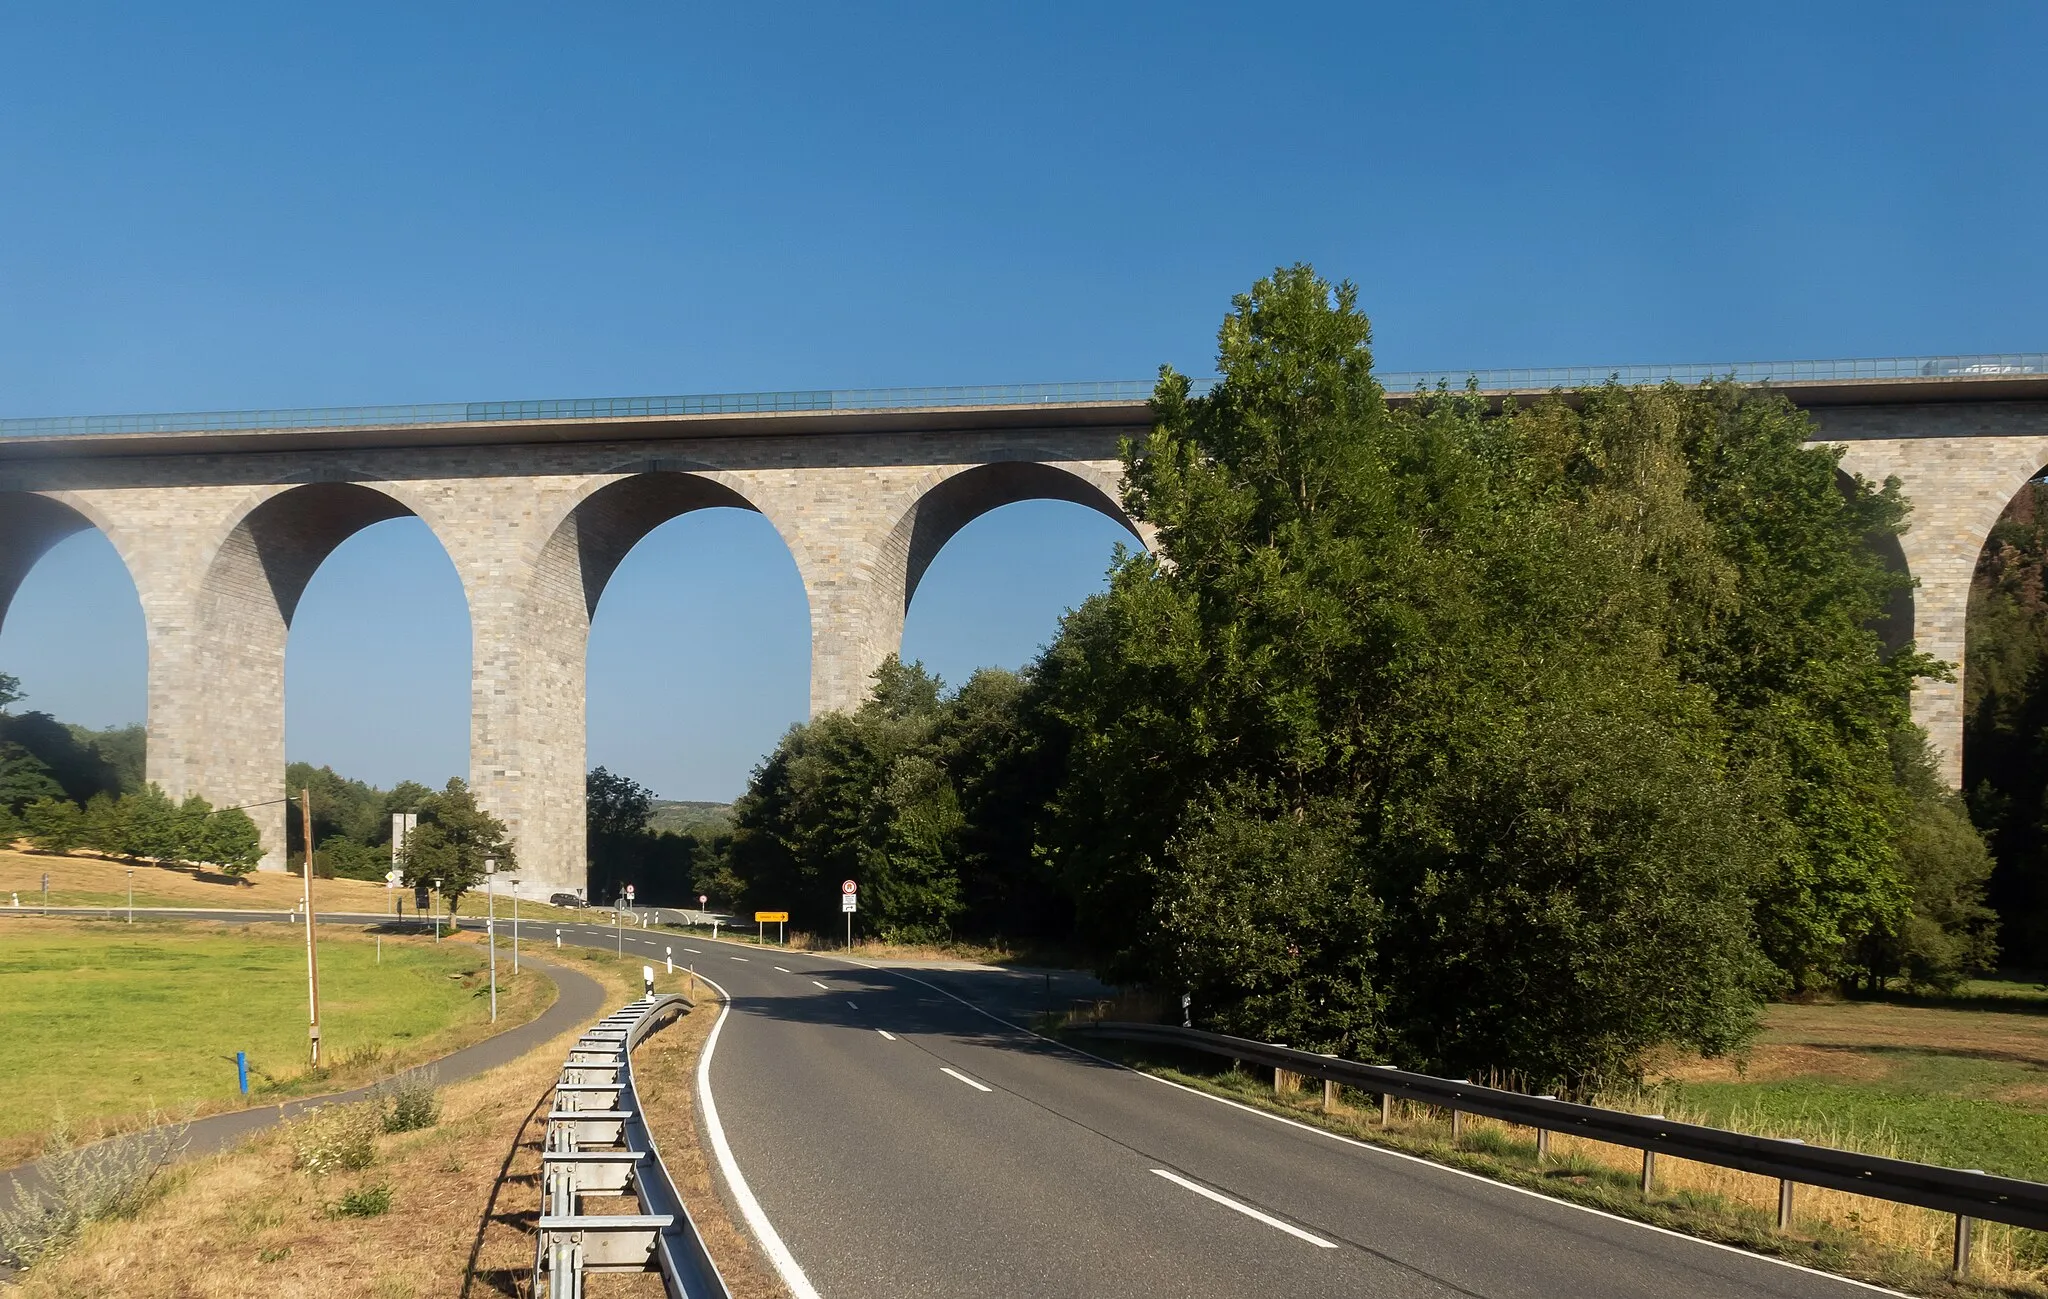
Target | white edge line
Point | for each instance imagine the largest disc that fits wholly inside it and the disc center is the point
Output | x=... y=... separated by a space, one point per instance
x=1383 y=1150
x=1245 y=1209
x=980 y=1087
x=1508 y=1186
x=886 y=1033
x=786 y=1267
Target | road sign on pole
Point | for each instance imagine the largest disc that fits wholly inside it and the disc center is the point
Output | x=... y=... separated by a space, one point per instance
x=849 y=902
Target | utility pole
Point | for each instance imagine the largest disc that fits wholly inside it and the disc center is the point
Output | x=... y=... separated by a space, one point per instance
x=491 y=926
x=312 y=960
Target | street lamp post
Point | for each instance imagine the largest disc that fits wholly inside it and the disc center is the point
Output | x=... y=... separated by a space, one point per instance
x=491 y=926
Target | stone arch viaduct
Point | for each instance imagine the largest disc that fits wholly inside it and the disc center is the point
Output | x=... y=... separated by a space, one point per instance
x=222 y=520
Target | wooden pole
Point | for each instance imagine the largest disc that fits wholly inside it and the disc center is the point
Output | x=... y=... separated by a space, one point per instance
x=312 y=958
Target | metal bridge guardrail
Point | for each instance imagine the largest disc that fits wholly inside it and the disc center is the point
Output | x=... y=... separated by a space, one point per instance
x=1968 y=1194
x=797 y=401
x=598 y=1144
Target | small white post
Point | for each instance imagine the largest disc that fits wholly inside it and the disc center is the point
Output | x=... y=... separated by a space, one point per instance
x=668 y=958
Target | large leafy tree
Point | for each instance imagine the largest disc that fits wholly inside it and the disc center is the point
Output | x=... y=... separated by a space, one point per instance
x=452 y=842
x=1383 y=753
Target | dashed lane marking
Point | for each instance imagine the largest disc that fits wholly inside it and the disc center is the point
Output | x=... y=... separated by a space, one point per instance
x=964 y=1078
x=1245 y=1209
x=886 y=1033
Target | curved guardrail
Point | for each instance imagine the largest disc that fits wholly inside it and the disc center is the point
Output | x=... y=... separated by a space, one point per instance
x=1967 y=1193
x=599 y=1145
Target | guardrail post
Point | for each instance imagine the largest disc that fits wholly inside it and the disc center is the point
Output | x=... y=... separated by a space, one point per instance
x=1543 y=1135
x=1457 y=1126
x=1649 y=1171
x=1785 y=1185
x=1386 y=1108
x=1962 y=1258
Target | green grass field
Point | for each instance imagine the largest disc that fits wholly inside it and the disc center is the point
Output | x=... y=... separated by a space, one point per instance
x=109 y=1021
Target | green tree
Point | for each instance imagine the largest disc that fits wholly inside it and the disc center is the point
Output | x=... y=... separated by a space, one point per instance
x=232 y=842
x=1394 y=666
x=151 y=826
x=52 y=824
x=453 y=840
x=24 y=778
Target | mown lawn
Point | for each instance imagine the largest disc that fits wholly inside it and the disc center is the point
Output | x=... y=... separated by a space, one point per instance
x=108 y=1021
x=1962 y=1082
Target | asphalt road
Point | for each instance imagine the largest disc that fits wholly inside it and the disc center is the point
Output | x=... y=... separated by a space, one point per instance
x=903 y=1144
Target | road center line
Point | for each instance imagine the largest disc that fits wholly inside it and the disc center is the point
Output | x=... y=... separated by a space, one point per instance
x=816 y=984
x=739 y=958
x=886 y=1033
x=970 y=1082
x=785 y=969
x=698 y=950
x=851 y=1006
x=1245 y=1209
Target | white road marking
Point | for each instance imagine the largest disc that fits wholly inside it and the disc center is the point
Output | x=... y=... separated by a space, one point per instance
x=698 y=950
x=750 y=1208
x=851 y=1006
x=964 y=1078
x=816 y=984
x=1245 y=1209
x=739 y=958
x=785 y=969
x=886 y=1033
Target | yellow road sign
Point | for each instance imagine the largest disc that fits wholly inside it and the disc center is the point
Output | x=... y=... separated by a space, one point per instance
x=771 y=917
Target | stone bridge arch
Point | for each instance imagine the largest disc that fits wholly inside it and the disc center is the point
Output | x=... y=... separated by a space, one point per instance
x=529 y=732
x=216 y=698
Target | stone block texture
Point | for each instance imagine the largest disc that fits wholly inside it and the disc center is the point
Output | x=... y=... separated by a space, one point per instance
x=221 y=547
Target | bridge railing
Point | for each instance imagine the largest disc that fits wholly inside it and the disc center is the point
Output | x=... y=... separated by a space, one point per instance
x=599 y=1144
x=1967 y=1194
x=797 y=401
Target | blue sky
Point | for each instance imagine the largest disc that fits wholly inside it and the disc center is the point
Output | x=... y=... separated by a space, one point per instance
x=227 y=206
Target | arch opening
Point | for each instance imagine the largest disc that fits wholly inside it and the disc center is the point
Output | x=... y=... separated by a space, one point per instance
x=73 y=633
x=2005 y=711
x=225 y=722
x=548 y=744
x=958 y=500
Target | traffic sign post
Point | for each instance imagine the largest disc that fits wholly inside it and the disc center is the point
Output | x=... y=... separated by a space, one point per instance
x=762 y=919
x=849 y=902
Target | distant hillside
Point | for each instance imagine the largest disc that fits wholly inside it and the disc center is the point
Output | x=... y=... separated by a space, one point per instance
x=701 y=819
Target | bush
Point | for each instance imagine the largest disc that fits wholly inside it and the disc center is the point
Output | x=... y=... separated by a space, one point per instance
x=363 y=1202
x=53 y=824
x=410 y=1101
x=83 y=1184
x=336 y=1138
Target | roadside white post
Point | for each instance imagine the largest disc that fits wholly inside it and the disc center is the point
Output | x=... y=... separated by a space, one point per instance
x=131 y=895
x=558 y=940
x=515 y=924
x=1785 y=1185
x=491 y=927
x=668 y=958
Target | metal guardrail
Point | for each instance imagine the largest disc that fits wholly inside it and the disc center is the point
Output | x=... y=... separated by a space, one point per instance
x=599 y=1144
x=1968 y=1194
x=1541 y=379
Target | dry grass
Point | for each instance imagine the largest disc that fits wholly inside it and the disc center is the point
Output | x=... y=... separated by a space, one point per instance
x=246 y=1224
x=85 y=881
